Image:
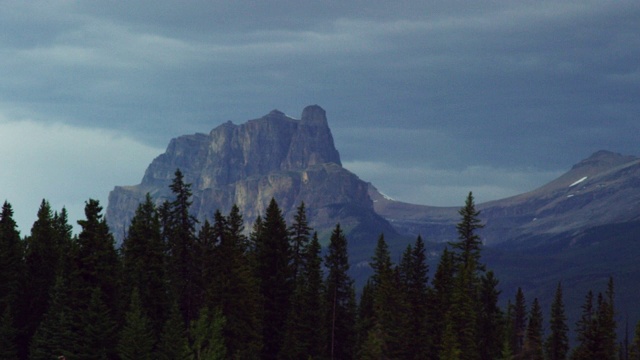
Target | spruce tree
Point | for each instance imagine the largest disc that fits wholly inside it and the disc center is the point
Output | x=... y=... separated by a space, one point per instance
x=518 y=323
x=533 y=340
x=440 y=296
x=299 y=233
x=179 y=235
x=340 y=299
x=557 y=344
x=11 y=251
x=415 y=284
x=304 y=331
x=586 y=331
x=274 y=274
x=97 y=260
x=144 y=263
x=238 y=295
x=57 y=334
x=137 y=339
x=96 y=332
x=11 y=275
x=172 y=344
x=206 y=339
x=468 y=246
x=490 y=321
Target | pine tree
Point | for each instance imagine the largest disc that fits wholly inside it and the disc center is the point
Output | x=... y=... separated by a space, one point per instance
x=96 y=333
x=365 y=322
x=11 y=269
x=304 y=331
x=464 y=300
x=415 y=283
x=207 y=342
x=272 y=256
x=144 y=263
x=490 y=320
x=340 y=299
x=533 y=340
x=11 y=250
x=518 y=323
x=439 y=298
x=238 y=294
x=172 y=344
x=390 y=321
x=469 y=244
x=299 y=233
x=179 y=235
x=56 y=334
x=557 y=344
x=607 y=324
x=97 y=260
x=136 y=337
x=586 y=332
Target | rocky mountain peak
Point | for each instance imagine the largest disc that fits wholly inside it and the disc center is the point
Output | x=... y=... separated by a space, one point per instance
x=247 y=164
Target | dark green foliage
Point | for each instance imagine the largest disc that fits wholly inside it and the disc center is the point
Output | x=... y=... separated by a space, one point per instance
x=11 y=250
x=274 y=275
x=8 y=335
x=144 y=263
x=557 y=344
x=97 y=336
x=490 y=320
x=299 y=233
x=172 y=344
x=533 y=339
x=237 y=294
x=136 y=337
x=596 y=327
x=414 y=283
x=11 y=274
x=468 y=246
x=518 y=323
x=304 y=331
x=96 y=259
x=634 y=348
x=206 y=340
x=56 y=333
x=340 y=299
x=179 y=235
x=440 y=301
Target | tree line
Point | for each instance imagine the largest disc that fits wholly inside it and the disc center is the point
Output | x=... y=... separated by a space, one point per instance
x=176 y=289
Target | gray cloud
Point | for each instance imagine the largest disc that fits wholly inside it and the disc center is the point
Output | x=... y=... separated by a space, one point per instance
x=441 y=86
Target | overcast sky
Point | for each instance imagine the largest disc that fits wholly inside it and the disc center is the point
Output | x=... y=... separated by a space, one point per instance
x=426 y=99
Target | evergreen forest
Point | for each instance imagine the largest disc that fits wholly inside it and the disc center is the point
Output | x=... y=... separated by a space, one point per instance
x=179 y=289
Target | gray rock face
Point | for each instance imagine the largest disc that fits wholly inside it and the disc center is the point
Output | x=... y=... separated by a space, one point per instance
x=271 y=157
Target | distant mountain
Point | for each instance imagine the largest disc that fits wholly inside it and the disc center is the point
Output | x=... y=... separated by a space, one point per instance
x=275 y=156
x=602 y=189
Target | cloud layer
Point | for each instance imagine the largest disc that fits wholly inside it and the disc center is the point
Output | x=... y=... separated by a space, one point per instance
x=504 y=94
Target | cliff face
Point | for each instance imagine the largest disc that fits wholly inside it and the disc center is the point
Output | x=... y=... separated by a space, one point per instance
x=275 y=156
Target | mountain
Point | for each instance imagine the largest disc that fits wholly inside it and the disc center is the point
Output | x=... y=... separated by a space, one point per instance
x=600 y=190
x=275 y=156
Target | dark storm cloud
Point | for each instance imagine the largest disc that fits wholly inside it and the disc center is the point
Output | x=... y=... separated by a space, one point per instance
x=423 y=98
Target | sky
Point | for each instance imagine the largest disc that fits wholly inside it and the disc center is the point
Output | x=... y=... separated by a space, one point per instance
x=428 y=100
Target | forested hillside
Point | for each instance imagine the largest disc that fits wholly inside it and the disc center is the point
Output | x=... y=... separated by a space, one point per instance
x=178 y=289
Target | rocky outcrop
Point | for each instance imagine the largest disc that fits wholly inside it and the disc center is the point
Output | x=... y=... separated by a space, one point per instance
x=274 y=156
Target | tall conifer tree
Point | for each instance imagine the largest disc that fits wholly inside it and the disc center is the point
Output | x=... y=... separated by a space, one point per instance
x=557 y=344
x=340 y=299
x=274 y=273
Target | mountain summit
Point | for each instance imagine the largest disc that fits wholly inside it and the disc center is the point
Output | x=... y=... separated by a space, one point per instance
x=275 y=156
